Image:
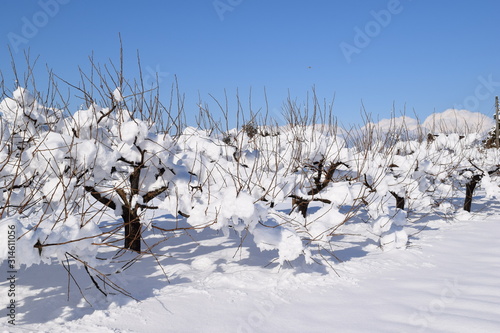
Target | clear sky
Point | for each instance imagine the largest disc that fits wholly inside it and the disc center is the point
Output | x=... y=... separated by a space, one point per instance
x=422 y=56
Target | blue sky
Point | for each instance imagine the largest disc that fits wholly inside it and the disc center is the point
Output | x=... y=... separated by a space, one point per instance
x=422 y=56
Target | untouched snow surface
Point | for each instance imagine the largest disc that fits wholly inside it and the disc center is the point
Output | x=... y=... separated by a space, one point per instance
x=447 y=280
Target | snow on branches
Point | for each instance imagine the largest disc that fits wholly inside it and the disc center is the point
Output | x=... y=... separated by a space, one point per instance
x=76 y=183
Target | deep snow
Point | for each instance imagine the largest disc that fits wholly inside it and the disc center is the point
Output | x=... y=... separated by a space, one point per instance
x=447 y=280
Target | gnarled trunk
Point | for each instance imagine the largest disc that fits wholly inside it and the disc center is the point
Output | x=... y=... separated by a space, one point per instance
x=400 y=201
x=469 y=191
x=132 y=224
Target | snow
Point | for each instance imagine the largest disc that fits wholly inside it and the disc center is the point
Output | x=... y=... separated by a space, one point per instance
x=133 y=130
x=402 y=123
x=448 y=121
x=446 y=281
x=117 y=95
x=458 y=121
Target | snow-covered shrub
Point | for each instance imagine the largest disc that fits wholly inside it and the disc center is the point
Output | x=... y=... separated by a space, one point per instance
x=389 y=227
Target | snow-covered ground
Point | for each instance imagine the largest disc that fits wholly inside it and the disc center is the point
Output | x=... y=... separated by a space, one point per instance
x=447 y=280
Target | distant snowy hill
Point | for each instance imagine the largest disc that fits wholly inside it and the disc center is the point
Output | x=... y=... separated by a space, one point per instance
x=448 y=121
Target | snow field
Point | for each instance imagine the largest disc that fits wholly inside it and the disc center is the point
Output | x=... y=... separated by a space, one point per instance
x=446 y=281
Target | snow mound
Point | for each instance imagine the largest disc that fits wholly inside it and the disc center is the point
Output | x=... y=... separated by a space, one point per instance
x=458 y=121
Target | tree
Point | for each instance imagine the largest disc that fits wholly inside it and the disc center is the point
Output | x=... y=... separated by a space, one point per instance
x=493 y=139
x=137 y=167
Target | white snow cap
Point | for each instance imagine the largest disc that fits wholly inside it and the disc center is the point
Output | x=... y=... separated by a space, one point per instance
x=447 y=122
x=458 y=121
x=117 y=95
x=385 y=125
x=23 y=96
